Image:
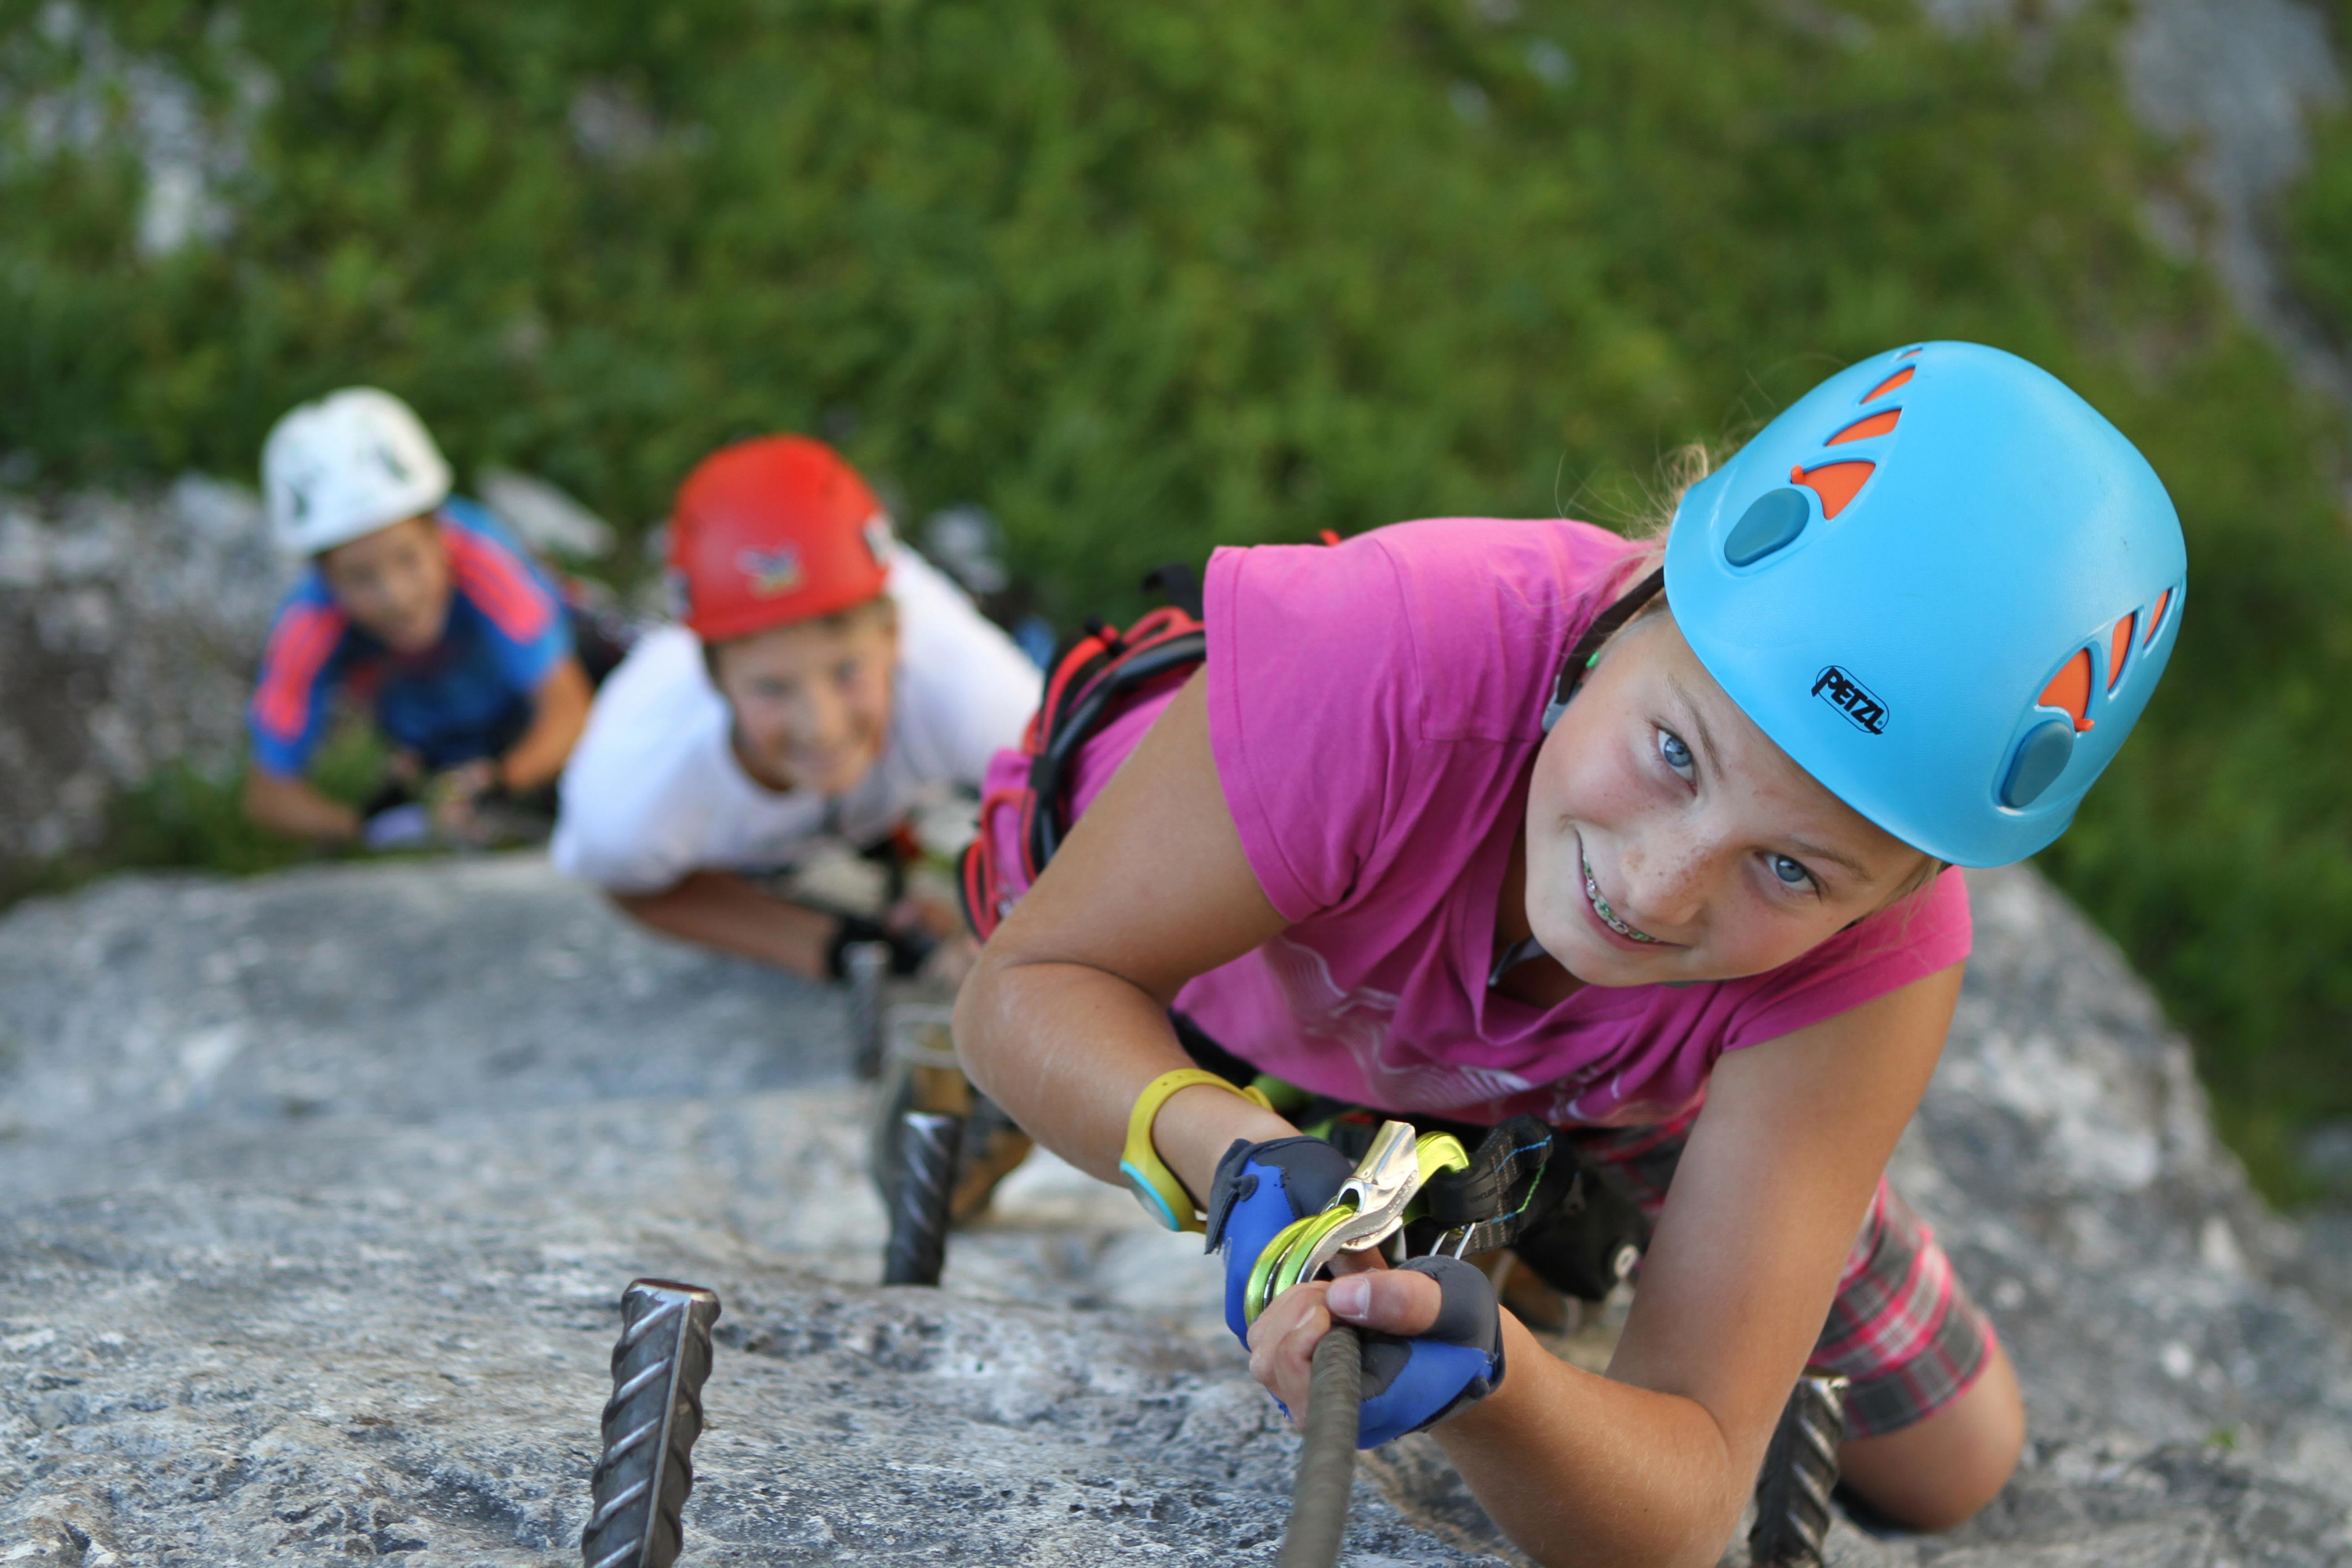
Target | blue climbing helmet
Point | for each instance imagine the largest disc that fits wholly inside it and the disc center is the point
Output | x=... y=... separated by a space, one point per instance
x=1945 y=586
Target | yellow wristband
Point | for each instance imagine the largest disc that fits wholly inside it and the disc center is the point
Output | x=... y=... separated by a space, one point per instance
x=1155 y=1186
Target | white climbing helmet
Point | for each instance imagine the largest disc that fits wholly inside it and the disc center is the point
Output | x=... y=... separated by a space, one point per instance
x=354 y=461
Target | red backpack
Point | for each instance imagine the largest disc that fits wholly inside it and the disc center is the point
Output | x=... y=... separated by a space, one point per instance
x=1089 y=684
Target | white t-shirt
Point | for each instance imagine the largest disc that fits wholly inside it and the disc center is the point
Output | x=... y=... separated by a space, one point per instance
x=654 y=790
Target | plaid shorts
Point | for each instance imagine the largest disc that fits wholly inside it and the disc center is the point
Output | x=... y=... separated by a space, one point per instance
x=1902 y=1330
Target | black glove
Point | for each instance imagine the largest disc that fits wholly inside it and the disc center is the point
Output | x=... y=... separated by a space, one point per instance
x=907 y=949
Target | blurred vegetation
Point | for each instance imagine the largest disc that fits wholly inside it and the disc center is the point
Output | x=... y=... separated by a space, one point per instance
x=1146 y=277
x=184 y=816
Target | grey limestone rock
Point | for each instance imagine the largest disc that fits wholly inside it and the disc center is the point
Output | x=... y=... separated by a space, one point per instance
x=322 y=1190
x=130 y=628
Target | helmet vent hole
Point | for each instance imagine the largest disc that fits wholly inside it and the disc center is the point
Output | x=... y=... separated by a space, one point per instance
x=2119 y=648
x=1772 y=522
x=1899 y=378
x=1861 y=429
x=1835 y=483
x=2041 y=757
x=2156 y=616
x=2070 y=690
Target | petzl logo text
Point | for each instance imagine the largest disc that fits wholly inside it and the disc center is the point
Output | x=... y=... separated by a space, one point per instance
x=1851 y=698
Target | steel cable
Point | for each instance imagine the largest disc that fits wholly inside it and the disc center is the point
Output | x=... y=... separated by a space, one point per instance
x=1327 y=1456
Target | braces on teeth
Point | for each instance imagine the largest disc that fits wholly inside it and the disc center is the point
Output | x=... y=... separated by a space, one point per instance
x=1608 y=915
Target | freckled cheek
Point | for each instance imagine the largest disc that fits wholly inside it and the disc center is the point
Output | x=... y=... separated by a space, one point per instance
x=1589 y=784
x=1757 y=938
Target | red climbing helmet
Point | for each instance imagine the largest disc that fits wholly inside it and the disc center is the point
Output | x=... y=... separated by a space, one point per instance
x=774 y=530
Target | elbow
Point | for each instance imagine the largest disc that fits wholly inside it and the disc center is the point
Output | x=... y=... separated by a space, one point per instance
x=985 y=1024
x=638 y=907
x=974 y=1004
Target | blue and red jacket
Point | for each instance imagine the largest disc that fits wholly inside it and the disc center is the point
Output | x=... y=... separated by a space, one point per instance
x=467 y=696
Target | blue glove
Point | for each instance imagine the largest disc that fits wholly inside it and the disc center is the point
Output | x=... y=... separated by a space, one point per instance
x=1260 y=1189
x=1409 y=1383
x=1416 y=1383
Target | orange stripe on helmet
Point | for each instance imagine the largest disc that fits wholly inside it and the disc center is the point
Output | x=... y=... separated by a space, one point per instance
x=2119 y=648
x=1891 y=383
x=2156 y=616
x=1873 y=425
x=1835 y=483
x=2071 y=689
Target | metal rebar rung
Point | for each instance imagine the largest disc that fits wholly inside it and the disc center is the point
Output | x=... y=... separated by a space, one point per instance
x=639 y=1489
x=930 y=1144
x=865 y=965
x=1801 y=1469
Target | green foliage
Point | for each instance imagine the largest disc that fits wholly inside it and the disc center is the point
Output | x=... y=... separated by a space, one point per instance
x=1142 y=277
x=186 y=816
x=183 y=815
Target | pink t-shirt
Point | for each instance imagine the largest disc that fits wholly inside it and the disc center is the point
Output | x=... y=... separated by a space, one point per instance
x=1373 y=709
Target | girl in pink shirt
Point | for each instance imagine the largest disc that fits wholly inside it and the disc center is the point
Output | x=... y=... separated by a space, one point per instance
x=1465 y=819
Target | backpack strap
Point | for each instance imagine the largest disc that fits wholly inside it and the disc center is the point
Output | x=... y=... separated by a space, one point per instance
x=1086 y=685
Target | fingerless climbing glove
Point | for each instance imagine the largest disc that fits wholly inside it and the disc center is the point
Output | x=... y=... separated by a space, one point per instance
x=1410 y=1384
x=1259 y=1190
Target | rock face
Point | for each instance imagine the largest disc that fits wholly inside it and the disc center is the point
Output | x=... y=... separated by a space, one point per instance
x=130 y=628
x=323 y=1189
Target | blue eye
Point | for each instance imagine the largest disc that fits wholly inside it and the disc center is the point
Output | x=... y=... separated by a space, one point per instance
x=1789 y=872
x=1676 y=753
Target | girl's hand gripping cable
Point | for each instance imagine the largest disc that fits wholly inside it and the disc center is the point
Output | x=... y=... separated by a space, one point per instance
x=1262 y=1211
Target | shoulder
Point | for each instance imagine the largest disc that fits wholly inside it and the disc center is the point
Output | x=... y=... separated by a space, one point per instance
x=658 y=697
x=645 y=772
x=306 y=630
x=494 y=574
x=1471 y=614
x=939 y=626
x=956 y=667
x=1921 y=935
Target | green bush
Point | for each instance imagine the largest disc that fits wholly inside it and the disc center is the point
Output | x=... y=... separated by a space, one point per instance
x=1145 y=277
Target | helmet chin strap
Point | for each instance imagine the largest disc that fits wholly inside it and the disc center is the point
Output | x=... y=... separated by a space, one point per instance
x=1587 y=651
x=1582 y=657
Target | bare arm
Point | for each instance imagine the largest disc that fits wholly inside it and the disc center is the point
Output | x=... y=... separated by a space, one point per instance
x=1063 y=1022
x=559 y=712
x=721 y=909
x=291 y=806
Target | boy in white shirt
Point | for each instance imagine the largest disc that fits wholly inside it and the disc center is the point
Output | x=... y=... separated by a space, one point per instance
x=827 y=681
